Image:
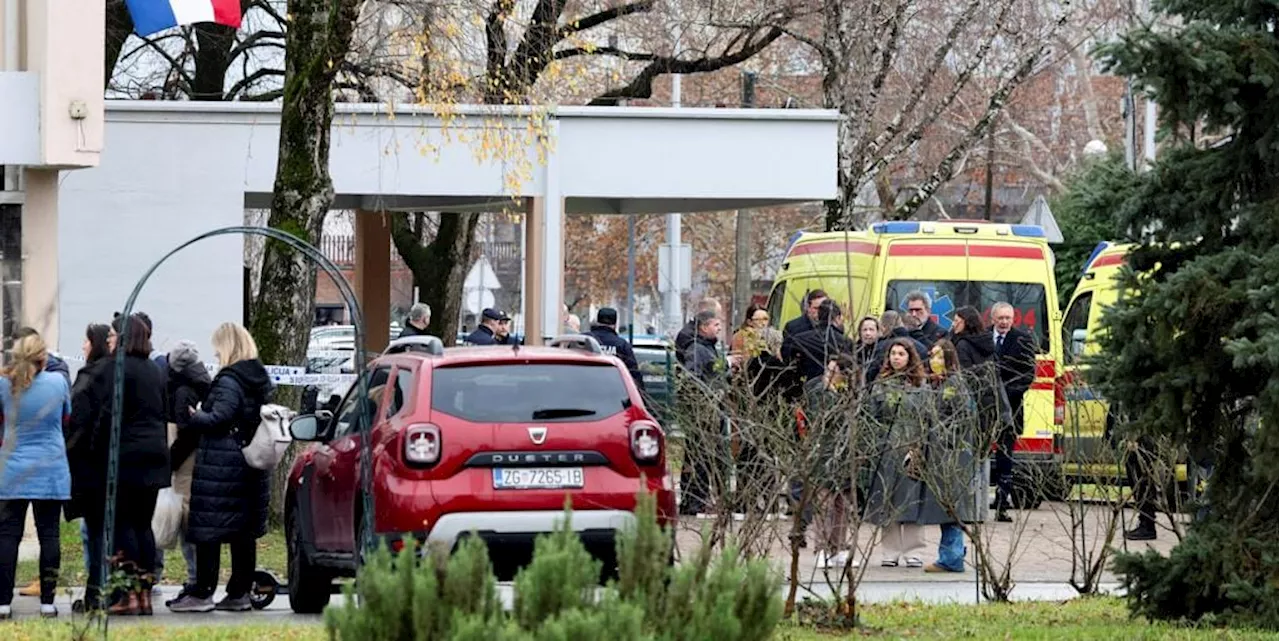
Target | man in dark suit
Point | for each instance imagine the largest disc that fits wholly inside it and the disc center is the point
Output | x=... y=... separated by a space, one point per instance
x=1016 y=356
x=809 y=318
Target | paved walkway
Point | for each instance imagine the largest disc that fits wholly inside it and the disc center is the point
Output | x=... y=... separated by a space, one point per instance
x=1043 y=552
x=1041 y=568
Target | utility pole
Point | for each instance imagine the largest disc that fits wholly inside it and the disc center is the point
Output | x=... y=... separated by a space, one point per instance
x=742 y=232
x=673 y=315
x=991 y=156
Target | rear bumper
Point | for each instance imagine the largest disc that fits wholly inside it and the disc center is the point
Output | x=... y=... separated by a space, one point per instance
x=520 y=526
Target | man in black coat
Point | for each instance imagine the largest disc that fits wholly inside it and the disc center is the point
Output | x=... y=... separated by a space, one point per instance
x=921 y=307
x=416 y=323
x=688 y=334
x=605 y=331
x=809 y=319
x=811 y=350
x=1015 y=353
x=489 y=330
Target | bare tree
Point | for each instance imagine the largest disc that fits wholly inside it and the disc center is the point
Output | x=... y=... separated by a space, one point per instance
x=540 y=52
x=896 y=69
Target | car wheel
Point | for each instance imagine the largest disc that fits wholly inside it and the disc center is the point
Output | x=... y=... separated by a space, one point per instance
x=309 y=586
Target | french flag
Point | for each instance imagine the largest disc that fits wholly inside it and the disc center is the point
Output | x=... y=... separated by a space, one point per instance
x=150 y=16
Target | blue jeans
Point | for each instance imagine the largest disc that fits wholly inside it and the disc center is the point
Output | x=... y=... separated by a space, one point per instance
x=951 y=548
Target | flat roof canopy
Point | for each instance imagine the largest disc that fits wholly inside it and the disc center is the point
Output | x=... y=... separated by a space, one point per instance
x=172 y=170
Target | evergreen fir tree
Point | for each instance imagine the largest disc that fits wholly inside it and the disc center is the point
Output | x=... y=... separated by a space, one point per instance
x=1192 y=354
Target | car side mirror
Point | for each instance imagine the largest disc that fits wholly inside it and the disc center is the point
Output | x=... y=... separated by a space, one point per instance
x=310 y=427
x=1077 y=342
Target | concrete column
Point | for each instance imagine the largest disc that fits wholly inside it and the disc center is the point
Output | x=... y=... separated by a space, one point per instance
x=40 y=254
x=553 y=234
x=534 y=263
x=373 y=276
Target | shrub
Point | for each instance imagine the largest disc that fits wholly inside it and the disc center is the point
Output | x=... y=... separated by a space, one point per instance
x=558 y=598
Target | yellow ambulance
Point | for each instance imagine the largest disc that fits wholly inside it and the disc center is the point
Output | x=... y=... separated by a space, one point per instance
x=956 y=263
x=1092 y=456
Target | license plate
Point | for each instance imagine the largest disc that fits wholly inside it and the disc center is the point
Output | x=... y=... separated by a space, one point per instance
x=536 y=478
x=654 y=378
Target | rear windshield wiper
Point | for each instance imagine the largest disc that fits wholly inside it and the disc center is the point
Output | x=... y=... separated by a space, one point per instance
x=561 y=412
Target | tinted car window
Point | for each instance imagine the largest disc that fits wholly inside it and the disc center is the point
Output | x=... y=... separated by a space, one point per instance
x=518 y=392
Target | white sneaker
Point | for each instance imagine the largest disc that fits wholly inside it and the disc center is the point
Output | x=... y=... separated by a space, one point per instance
x=914 y=562
x=822 y=562
x=842 y=558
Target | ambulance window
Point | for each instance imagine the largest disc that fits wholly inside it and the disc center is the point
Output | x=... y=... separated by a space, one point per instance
x=1076 y=319
x=775 y=304
x=1030 y=310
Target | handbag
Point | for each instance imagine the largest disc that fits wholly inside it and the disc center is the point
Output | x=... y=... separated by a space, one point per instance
x=167 y=521
x=271 y=439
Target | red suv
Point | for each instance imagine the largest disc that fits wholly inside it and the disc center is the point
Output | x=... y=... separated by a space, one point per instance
x=478 y=440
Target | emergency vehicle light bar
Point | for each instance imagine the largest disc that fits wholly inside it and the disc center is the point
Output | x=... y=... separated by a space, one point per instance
x=898 y=227
x=1028 y=231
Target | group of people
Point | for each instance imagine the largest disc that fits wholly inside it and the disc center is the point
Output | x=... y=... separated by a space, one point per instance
x=913 y=375
x=180 y=428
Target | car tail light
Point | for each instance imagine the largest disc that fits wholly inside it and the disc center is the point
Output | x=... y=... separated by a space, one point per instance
x=422 y=444
x=1059 y=401
x=646 y=441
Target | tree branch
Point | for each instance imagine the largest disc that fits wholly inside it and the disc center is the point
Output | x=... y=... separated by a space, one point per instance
x=244 y=83
x=961 y=81
x=945 y=171
x=939 y=57
x=252 y=41
x=642 y=85
x=612 y=13
x=605 y=51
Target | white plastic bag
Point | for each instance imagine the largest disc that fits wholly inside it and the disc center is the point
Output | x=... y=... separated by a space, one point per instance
x=271 y=439
x=166 y=523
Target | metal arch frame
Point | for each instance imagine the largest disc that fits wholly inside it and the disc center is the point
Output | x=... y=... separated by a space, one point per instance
x=117 y=401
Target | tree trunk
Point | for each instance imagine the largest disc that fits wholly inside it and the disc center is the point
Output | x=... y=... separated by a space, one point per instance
x=742 y=266
x=213 y=55
x=439 y=267
x=119 y=26
x=281 y=317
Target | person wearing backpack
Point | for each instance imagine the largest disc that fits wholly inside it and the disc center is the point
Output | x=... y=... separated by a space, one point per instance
x=229 y=498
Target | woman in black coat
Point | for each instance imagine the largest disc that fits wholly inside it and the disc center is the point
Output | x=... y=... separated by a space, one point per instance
x=229 y=499
x=974 y=344
x=142 y=466
x=976 y=349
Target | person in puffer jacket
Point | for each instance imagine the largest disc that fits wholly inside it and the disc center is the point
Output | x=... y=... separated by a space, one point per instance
x=229 y=500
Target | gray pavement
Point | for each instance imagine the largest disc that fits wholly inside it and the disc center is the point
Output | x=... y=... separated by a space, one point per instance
x=1039 y=546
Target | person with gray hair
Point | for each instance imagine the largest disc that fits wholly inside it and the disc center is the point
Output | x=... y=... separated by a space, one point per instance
x=416 y=323
x=920 y=306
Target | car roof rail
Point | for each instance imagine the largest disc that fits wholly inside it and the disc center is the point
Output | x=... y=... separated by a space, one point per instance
x=416 y=344
x=580 y=342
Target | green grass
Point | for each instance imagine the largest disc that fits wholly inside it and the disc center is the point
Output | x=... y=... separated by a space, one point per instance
x=1093 y=619
x=272 y=555
x=1096 y=619
x=39 y=630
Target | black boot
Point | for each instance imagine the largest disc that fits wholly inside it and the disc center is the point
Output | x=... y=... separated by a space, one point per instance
x=1146 y=530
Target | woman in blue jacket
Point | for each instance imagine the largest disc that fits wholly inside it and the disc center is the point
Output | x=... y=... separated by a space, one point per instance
x=33 y=466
